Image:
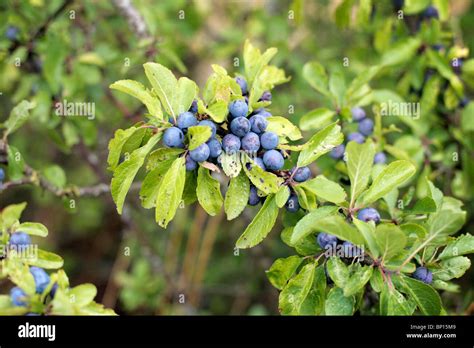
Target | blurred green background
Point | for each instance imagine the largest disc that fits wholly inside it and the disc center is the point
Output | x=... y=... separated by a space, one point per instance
x=77 y=52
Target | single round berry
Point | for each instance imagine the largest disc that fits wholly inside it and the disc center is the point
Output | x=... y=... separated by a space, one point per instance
x=366 y=126
x=210 y=124
x=258 y=123
x=380 y=158
x=325 y=240
x=431 y=12
x=301 y=174
x=423 y=274
x=215 y=148
x=369 y=214
x=240 y=126
x=173 y=137
x=463 y=102
x=186 y=120
x=292 y=204
x=273 y=160
x=200 y=153
x=231 y=143
x=338 y=151
x=190 y=164
x=18 y=297
x=54 y=288
x=41 y=278
x=242 y=83
x=2 y=174
x=358 y=114
x=254 y=199
x=350 y=250
x=269 y=140
x=438 y=47
x=194 y=106
x=266 y=96
x=357 y=137
x=12 y=33
x=238 y=108
x=251 y=142
x=20 y=240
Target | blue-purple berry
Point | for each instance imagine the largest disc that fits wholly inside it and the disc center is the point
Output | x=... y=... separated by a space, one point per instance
x=200 y=154
x=423 y=274
x=358 y=114
x=326 y=240
x=240 y=126
x=380 y=158
x=173 y=137
x=210 y=124
x=369 y=214
x=18 y=297
x=430 y=12
x=292 y=204
x=231 y=143
x=338 y=151
x=357 y=137
x=266 y=96
x=269 y=140
x=190 y=164
x=215 y=148
x=366 y=126
x=186 y=120
x=350 y=250
x=258 y=123
x=242 y=84
x=238 y=108
x=254 y=199
x=41 y=278
x=194 y=106
x=250 y=142
x=273 y=160
x=301 y=174
x=19 y=240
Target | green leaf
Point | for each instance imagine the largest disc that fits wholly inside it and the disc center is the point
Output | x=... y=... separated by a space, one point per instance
x=265 y=181
x=46 y=259
x=310 y=223
x=231 y=164
x=83 y=294
x=357 y=280
x=33 y=228
x=337 y=271
x=283 y=128
x=337 y=225
x=467 y=118
x=11 y=214
x=337 y=86
x=151 y=183
x=313 y=304
x=16 y=163
x=170 y=192
x=282 y=196
x=208 y=192
x=320 y=143
x=55 y=175
x=260 y=226
x=454 y=267
x=326 y=189
x=316 y=119
x=218 y=111
x=185 y=94
x=116 y=144
x=127 y=170
x=360 y=158
x=367 y=230
x=362 y=78
x=426 y=298
x=462 y=245
x=18 y=116
x=237 y=196
x=343 y=13
x=425 y=205
x=295 y=292
x=315 y=74
x=401 y=52
x=164 y=84
x=282 y=270
x=338 y=304
x=393 y=302
x=392 y=176
x=137 y=90
x=198 y=135
x=390 y=240
x=53 y=66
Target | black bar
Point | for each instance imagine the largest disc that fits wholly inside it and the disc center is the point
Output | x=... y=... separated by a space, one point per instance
x=137 y=331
